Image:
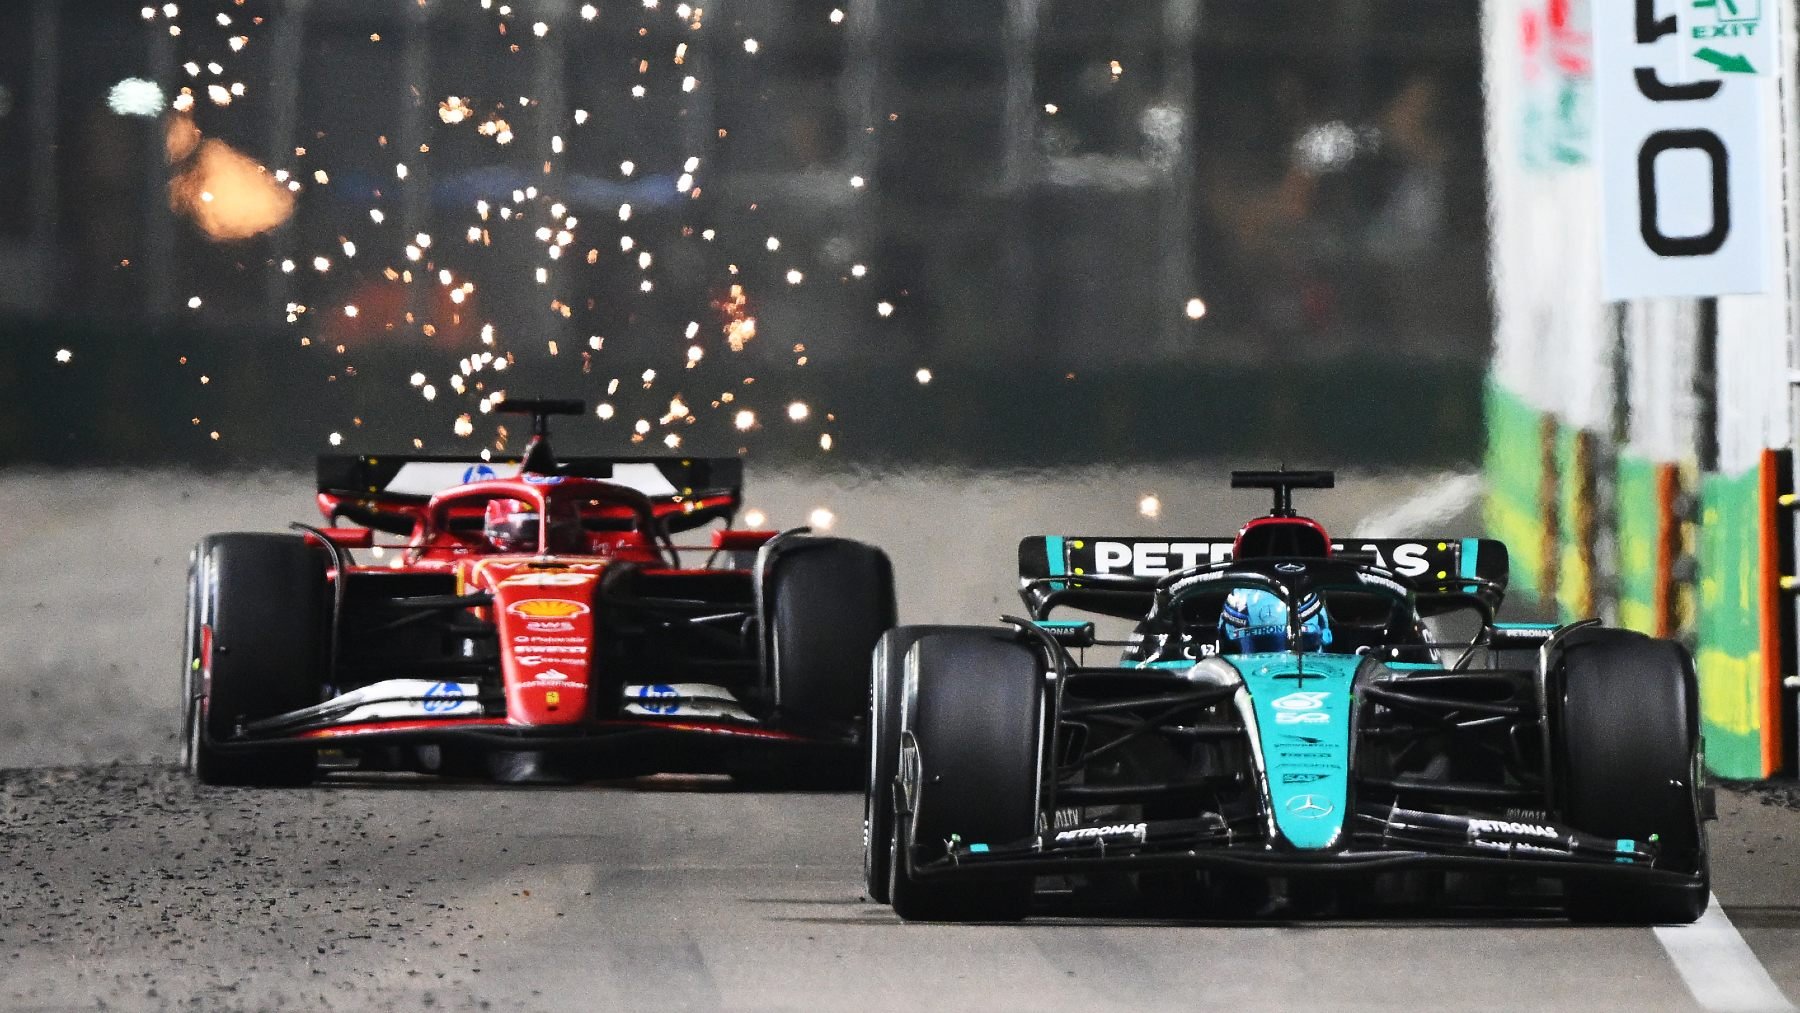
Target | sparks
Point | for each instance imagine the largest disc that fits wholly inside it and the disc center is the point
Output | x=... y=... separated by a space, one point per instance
x=798 y=411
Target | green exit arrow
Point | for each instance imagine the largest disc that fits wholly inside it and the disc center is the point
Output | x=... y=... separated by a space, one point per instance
x=1726 y=64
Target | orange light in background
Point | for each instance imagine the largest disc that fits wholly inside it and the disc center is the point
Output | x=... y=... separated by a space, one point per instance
x=227 y=193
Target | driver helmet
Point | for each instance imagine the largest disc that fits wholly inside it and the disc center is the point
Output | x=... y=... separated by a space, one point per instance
x=1255 y=621
x=510 y=525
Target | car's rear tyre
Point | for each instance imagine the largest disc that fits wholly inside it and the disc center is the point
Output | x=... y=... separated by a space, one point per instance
x=1629 y=729
x=887 y=681
x=263 y=597
x=973 y=715
x=827 y=601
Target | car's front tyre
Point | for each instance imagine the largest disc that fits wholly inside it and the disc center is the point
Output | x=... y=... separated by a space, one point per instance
x=1629 y=732
x=973 y=722
x=256 y=648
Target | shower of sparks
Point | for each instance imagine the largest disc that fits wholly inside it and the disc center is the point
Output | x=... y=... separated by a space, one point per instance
x=923 y=376
x=63 y=355
x=1150 y=506
x=1196 y=308
x=356 y=263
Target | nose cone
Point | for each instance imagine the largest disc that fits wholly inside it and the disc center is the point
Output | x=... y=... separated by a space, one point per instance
x=1301 y=705
x=545 y=620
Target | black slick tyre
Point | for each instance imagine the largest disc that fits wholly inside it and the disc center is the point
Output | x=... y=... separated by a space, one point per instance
x=972 y=719
x=1629 y=733
x=887 y=680
x=827 y=601
x=262 y=596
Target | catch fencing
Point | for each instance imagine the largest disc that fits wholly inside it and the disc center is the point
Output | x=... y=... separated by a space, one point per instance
x=1639 y=451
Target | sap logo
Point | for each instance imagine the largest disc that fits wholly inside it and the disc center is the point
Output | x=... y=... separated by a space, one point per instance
x=1408 y=559
x=479 y=472
x=1156 y=559
x=1298 y=778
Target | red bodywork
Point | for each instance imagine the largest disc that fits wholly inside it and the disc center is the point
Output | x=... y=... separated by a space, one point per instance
x=543 y=605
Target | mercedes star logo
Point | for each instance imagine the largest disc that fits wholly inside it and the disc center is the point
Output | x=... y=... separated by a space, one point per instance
x=1309 y=807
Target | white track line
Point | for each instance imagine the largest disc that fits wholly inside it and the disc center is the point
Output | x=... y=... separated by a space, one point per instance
x=1443 y=498
x=1718 y=967
x=1716 y=964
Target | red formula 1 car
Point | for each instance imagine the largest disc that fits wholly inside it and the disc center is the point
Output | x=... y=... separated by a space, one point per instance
x=538 y=621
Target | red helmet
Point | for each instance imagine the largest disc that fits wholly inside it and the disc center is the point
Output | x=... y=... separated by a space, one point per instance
x=511 y=526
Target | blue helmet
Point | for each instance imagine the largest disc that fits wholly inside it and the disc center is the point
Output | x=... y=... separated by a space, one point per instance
x=1256 y=621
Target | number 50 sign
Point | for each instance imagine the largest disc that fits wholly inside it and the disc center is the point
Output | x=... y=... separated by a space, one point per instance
x=1683 y=89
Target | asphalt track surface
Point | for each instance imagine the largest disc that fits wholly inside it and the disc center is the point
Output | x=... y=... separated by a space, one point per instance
x=123 y=885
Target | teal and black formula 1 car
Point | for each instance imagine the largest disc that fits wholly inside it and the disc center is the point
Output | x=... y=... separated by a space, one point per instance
x=1292 y=728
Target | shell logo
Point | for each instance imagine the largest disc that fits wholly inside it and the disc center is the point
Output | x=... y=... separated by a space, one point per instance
x=547 y=608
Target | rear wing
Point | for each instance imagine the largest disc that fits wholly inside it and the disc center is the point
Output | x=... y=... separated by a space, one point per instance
x=686 y=492
x=1432 y=566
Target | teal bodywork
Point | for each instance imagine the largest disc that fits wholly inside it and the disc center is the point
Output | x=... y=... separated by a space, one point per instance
x=1302 y=704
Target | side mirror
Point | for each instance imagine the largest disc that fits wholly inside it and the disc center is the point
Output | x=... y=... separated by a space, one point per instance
x=733 y=541
x=348 y=538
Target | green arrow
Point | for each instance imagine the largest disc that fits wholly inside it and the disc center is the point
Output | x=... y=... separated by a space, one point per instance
x=1726 y=64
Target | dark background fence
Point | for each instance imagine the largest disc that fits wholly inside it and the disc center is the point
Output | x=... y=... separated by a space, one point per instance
x=1109 y=231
